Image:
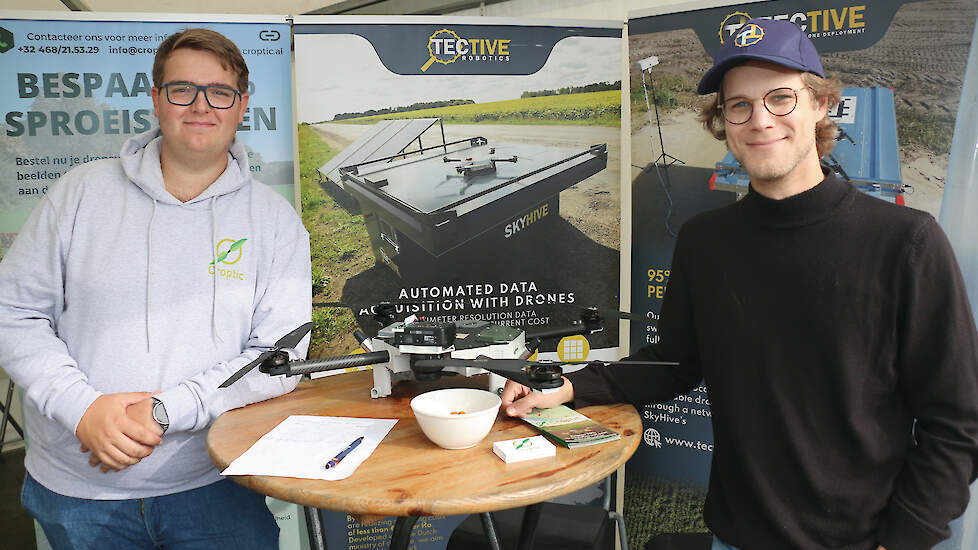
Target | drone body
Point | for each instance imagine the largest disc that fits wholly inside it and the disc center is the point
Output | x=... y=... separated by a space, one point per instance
x=479 y=165
x=412 y=340
x=425 y=350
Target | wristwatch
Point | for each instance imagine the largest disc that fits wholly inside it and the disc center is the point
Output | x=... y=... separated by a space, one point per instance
x=159 y=414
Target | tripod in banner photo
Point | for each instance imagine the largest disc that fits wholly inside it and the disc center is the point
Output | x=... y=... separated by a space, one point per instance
x=645 y=65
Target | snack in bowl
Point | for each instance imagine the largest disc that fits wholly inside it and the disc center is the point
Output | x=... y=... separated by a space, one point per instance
x=456 y=418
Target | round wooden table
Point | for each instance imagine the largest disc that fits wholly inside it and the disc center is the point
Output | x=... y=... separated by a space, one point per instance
x=408 y=475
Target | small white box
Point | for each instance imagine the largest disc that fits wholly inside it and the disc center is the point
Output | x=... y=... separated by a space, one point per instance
x=524 y=448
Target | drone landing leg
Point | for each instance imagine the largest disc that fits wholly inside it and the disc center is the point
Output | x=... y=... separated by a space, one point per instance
x=382 y=382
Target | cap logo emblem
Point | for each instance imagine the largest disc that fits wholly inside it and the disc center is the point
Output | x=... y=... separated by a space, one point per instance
x=749 y=35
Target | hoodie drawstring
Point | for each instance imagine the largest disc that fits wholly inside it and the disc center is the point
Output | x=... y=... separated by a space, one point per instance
x=149 y=270
x=214 y=331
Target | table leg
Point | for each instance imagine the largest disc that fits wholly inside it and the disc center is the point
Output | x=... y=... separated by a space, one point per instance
x=489 y=527
x=401 y=536
x=528 y=530
x=314 y=527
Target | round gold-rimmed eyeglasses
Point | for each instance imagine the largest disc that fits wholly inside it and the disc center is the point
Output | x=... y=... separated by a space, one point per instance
x=778 y=102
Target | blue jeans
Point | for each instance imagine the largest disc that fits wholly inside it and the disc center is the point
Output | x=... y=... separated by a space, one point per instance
x=220 y=516
x=720 y=545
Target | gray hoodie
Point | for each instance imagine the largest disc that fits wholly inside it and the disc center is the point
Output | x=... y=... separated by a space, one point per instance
x=113 y=285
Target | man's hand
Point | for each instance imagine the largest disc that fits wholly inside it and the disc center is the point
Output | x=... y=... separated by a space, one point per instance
x=116 y=436
x=518 y=399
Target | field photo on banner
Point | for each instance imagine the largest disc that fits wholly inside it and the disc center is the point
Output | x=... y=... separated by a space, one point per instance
x=75 y=90
x=901 y=65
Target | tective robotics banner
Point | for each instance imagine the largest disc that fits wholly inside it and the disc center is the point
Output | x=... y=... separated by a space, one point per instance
x=902 y=64
x=464 y=169
x=74 y=90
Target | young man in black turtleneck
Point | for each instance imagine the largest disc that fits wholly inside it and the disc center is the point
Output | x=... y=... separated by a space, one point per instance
x=832 y=329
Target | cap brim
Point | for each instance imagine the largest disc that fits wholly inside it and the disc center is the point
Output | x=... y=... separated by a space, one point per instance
x=711 y=80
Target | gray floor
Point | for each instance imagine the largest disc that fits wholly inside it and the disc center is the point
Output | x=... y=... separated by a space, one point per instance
x=15 y=524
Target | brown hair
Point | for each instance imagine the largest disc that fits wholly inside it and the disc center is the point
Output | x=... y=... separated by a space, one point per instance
x=826 y=129
x=205 y=40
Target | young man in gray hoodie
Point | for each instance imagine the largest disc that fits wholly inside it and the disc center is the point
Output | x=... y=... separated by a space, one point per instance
x=136 y=287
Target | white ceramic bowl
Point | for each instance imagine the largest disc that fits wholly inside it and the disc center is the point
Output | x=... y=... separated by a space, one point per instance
x=474 y=413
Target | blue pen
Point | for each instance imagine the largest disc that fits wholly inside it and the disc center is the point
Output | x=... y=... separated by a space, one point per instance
x=336 y=460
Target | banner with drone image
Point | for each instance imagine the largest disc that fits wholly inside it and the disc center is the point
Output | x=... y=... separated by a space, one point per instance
x=461 y=168
x=901 y=64
x=77 y=86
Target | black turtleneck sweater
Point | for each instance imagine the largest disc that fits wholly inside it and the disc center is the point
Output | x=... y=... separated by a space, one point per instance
x=824 y=325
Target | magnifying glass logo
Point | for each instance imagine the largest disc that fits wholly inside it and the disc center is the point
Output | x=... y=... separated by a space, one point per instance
x=442 y=37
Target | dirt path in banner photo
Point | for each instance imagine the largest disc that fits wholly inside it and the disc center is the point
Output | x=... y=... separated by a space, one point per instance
x=591 y=205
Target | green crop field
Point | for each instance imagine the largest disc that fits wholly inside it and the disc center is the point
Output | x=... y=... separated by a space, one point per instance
x=338 y=241
x=592 y=108
x=653 y=507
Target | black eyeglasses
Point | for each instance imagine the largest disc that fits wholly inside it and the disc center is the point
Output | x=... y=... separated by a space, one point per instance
x=185 y=93
x=778 y=102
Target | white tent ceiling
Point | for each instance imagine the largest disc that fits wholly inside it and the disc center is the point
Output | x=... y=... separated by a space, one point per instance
x=583 y=9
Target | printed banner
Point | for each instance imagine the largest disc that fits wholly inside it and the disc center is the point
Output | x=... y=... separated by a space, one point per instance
x=75 y=90
x=476 y=186
x=463 y=171
x=902 y=65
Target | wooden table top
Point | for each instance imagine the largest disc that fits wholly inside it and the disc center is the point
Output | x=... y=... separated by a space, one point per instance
x=408 y=475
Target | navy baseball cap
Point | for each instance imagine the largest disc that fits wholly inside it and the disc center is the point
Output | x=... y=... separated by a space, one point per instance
x=780 y=42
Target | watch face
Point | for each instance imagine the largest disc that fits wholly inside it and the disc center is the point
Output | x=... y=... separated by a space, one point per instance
x=159 y=414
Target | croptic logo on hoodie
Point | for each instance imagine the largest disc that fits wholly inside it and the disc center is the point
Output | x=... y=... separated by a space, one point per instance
x=229 y=252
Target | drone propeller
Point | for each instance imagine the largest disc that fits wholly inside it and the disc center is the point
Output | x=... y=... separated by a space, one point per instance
x=290 y=340
x=374 y=304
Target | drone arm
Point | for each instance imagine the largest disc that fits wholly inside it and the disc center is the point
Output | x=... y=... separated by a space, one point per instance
x=336 y=363
x=516 y=376
x=590 y=322
x=559 y=332
x=522 y=377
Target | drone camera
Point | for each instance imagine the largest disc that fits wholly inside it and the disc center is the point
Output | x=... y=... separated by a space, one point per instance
x=426 y=373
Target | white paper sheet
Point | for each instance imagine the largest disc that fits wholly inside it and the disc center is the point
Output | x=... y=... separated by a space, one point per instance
x=301 y=445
